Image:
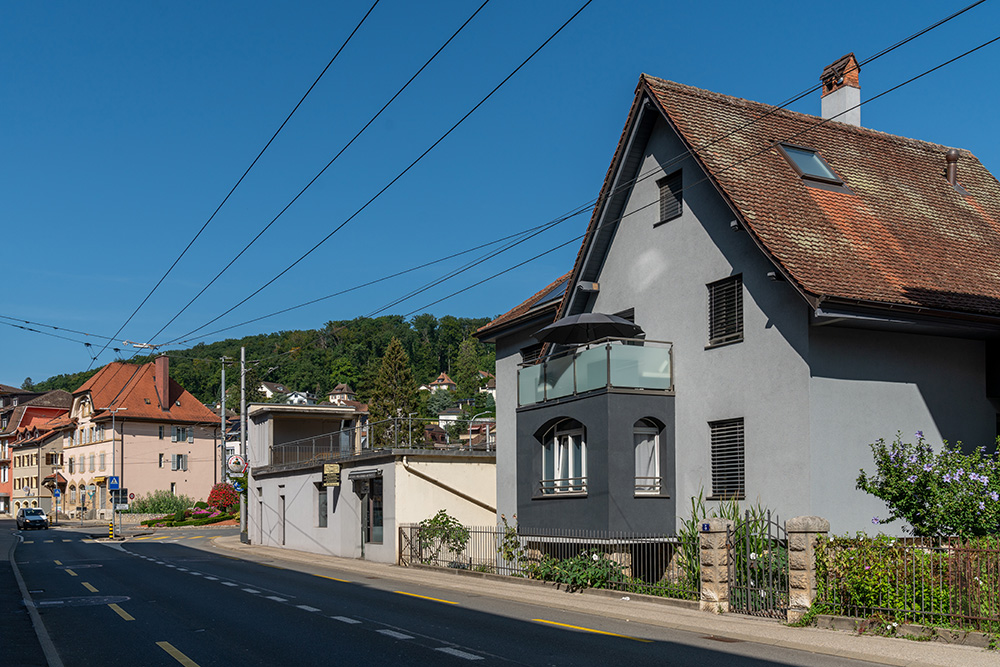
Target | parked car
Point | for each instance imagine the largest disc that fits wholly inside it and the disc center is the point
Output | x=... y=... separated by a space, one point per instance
x=31 y=517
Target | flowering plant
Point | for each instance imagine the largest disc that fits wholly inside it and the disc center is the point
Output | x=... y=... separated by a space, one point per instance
x=938 y=493
x=223 y=496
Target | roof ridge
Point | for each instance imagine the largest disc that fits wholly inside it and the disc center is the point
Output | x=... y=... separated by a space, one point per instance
x=655 y=81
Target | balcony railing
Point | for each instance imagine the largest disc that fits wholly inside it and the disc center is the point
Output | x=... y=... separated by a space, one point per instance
x=612 y=363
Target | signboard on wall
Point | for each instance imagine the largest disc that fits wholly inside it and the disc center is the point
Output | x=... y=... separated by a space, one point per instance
x=331 y=474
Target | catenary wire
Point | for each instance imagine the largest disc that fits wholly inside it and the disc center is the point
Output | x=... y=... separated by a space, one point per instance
x=393 y=181
x=240 y=180
x=318 y=175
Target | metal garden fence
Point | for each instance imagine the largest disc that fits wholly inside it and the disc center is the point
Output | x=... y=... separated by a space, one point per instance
x=649 y=564
x=937 y=582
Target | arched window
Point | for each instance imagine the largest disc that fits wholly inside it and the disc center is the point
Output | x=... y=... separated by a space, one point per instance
x=646 y=437
x=72 y=492
x=564 y=458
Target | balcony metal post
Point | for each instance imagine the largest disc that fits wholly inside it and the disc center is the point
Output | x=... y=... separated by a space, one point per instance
x=607 y=364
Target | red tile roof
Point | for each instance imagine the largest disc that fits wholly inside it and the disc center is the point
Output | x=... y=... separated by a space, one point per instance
x=904 y=236
x=525 y=306
x=134 y=388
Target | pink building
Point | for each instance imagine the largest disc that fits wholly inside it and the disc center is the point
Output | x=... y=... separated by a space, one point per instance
x=136 y=423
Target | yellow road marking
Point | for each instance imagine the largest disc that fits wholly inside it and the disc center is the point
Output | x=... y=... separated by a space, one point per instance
x=177 y=655
x=345 y=581
x=67 y=540
x=70 y=572
x=196 y=537
x=424 y=597
x=142 y=538
x=161 y=537
x=276 y=567
x=57 y=562
x=88 y=587
x=121 y=612
x=48 y=541
x=599 y=632
x=29 y=541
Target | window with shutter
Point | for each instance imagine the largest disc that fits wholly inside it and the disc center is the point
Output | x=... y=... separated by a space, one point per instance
x=671 y=199
x=173 y=434
x=190 y=435
x=725 y=311
x=173 y=461
x=184 y=461
x=727 y=459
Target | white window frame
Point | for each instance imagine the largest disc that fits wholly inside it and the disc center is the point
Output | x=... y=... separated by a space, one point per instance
x=564 y=450
x=645 y=485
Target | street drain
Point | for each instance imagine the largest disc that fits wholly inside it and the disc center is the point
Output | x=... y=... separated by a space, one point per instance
x=726 y=640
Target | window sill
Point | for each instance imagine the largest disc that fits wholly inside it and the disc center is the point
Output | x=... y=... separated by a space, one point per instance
x=724 y=343
x=726 y=498
x=665 y=221
x=650 y=494
x=566 y=494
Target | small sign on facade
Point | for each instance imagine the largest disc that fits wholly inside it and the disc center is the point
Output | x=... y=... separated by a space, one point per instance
x=331 y=474
x=705 y=527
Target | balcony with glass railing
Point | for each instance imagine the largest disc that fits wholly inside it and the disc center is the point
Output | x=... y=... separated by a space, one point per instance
x=611 y=363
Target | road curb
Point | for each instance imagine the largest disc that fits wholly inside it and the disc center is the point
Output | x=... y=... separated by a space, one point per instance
x=640 y=609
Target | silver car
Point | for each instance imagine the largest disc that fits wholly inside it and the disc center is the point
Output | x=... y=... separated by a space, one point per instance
x=31 y=517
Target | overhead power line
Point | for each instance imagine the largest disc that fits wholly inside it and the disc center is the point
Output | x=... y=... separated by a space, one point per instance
x=240 y=180
x=393 y=181
x=319 y=174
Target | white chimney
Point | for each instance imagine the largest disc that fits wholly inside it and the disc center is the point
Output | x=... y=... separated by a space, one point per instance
x=842 y=91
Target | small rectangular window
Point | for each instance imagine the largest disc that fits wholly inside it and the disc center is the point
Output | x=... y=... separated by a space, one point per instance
x=190 y=435
x=811 y=166
x=725 y=311
x=728 y=475
x=174 y=464
x=161 y=433
x=102 y=460
x=160 y=460
x=671 y=197
x=322 y=505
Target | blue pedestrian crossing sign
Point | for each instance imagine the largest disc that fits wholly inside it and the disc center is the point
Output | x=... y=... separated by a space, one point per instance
x=113 y=484
x=56 y=492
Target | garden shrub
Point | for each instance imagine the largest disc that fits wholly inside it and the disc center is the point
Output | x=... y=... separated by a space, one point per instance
x=938 y=494
x=159 y=502
x=442 y=532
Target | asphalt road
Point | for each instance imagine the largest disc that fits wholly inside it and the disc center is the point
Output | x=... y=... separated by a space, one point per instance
x=161 y=600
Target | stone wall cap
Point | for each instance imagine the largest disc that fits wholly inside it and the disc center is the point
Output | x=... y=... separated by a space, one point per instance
x=807 y=524
x=716 y=525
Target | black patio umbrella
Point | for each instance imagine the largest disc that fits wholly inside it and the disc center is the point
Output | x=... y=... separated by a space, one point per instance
x=587 y=327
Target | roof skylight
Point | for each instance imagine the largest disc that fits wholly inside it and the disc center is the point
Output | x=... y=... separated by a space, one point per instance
x=810 y=164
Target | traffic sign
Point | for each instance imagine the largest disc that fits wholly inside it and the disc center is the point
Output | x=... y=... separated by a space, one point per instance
x=131 y=496
x=113 y=483
x=56 y=492
x=237 y=487
x=236 y=464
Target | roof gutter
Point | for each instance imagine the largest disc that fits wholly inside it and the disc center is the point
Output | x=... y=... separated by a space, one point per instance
x=449 y=489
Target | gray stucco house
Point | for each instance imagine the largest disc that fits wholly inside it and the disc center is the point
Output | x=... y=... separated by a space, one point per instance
x=817 y=285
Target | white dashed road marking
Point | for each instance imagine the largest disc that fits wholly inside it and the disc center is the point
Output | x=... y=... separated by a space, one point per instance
x=344 y=619
x=275 y=598
x=393 y=634
x=229 y=583
x=211 y=578
x=250 y=590
x=459 y=654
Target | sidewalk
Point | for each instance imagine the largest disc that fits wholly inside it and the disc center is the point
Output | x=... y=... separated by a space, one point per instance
x=657 y=612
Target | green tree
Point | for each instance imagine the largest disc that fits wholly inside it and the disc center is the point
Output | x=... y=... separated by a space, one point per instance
x=28 y=385
x=467 y=369
x=394 y=396
x=439 y=401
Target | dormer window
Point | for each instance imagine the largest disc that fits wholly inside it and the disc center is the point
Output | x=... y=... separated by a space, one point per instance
x=811 y=166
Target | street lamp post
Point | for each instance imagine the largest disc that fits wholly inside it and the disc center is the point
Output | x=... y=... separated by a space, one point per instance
x=473 y=421
x=114 y=413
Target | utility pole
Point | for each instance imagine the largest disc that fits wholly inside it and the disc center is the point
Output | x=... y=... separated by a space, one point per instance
x=244 y=537
x=222 y=420
x=114 y=413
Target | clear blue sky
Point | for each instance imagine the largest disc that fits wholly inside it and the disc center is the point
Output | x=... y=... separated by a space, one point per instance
x=124 y=125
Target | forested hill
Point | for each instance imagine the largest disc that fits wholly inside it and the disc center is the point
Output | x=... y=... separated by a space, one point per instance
x=316 y=360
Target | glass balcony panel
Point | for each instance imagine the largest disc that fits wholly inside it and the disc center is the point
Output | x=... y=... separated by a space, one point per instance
x=530 y=389
x=592 y=369
x=559 y=377
x=635 y=367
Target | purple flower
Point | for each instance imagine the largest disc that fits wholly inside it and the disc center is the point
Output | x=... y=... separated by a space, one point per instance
x=982 y=506
x=911 y=479
x=994 y=496
x=928 y=467
x=958 y=473
x=875 y=520
x=920 y=434
x=947 y=477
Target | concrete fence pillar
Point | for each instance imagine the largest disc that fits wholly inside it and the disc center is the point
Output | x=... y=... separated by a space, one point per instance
x=803 y=533
x=714 y=565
